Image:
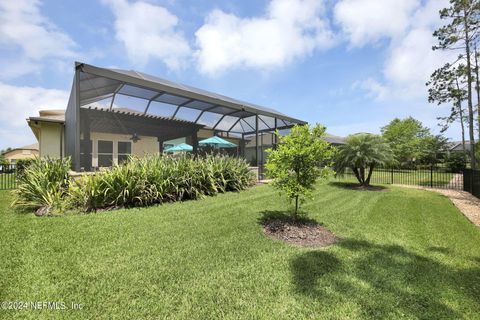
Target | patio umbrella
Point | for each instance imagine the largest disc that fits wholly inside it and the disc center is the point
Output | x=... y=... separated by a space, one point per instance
x=180 y=147
x=217 y=142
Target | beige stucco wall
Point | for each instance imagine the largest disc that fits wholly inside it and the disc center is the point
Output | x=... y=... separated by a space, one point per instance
x=146 y=145
x=51 y=140
x=14 y=155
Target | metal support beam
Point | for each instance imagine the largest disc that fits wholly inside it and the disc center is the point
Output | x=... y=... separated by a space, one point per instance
x=86 y=146
x=115 y=94
x=226 y=114
x=203 y=111
x=160 y=146
x=195 y=143
x=257 y=155
x=275 y=138
x=179 y=106
x=230 y=129
x=266 y=125
x=152 y=99
x=253 y=129
x=76 y=106
x=242 y=146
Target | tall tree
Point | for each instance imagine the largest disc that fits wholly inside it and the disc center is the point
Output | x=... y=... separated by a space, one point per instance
x=459 y=34
x=446 y=85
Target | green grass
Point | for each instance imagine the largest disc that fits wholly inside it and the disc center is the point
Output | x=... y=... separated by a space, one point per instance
x=404 y=254
x=408 y=177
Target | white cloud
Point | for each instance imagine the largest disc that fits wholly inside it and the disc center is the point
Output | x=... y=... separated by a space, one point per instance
x=365 y=21
x=19 y=102
x=149 y=32
x=410 y=59
x=30 y=37
x=288 y=30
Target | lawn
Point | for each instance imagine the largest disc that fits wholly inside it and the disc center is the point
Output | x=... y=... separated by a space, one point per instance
x=408 y=177
x=404 y=254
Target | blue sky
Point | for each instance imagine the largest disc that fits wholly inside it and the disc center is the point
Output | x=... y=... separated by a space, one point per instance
x=352 y=65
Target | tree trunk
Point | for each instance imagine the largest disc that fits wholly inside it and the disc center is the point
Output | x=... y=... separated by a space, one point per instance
x=469 y=87
x=357 y=175
x=367 y=182
x=460 y=114
x=362 y=175
x=296 y=206
x=477 y=89
x=297 y=173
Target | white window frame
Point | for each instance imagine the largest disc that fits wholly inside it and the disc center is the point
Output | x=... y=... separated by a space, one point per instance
x=103 y=153
x=124 y=154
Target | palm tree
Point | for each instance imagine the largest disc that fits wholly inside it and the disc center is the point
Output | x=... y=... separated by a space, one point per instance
x=363 y=152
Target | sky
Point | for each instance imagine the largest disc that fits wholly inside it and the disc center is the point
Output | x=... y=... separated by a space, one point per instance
x=351 y=65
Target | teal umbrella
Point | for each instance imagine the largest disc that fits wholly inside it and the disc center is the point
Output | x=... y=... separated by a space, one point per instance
x=180 y=147
x=217 y=142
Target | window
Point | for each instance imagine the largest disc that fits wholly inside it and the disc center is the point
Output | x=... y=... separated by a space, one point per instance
x=124 y=150
x=105 y=153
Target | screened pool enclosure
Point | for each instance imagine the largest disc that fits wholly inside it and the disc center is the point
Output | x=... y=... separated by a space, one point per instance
x=112 y=113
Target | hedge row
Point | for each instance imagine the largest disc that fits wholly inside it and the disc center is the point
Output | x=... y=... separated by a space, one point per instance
x=139 y=182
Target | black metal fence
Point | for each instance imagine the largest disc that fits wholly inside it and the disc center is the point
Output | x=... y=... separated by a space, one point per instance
x=471 y=180
x=433 y=177
x=8 y=177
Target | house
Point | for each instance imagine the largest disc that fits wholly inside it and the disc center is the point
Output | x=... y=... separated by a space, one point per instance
x=25 y=152
x=456 y=146
x=268 y=140
x=113 y=113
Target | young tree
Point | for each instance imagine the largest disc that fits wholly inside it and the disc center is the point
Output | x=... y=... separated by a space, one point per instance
x=405 y=138
x=299 y=160
x=362 y=153
x=459 y=34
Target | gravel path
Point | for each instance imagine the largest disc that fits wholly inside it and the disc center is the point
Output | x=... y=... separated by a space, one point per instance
x=469 y=205
x=456 y=183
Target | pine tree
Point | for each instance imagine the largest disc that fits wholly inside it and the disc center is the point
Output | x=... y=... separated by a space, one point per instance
x=460 y=33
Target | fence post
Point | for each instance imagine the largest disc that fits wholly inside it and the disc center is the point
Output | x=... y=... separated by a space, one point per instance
x=431 y=176
x=392 y=174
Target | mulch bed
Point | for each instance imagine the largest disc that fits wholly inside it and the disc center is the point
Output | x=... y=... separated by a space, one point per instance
x=300 y=233
x=366 y=188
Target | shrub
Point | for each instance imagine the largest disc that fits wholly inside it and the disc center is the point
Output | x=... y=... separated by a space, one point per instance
x=456 y=161
x=22 y=164
x=43 y=184
x=3 y=161
x=149 y=180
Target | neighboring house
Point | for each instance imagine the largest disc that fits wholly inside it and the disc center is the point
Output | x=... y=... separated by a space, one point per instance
x=334 y=140
x=25 y=152
x=456 y=146
x=267 y=140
